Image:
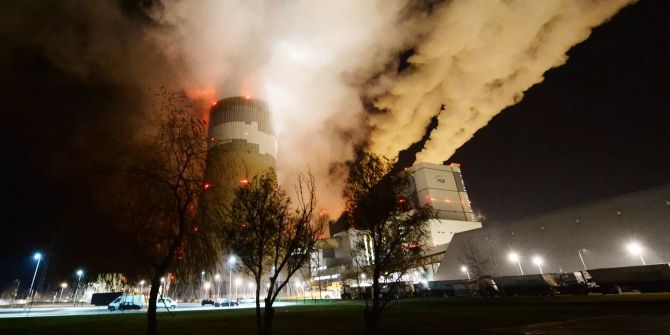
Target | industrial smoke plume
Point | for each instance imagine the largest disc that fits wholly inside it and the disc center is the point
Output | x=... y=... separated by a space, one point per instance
x=315 y=61
x=480 y=58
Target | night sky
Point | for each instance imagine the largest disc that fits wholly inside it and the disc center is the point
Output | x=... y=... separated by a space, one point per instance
x=596 y=127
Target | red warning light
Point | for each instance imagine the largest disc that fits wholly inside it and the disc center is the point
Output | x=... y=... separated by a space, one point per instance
x=207 y=186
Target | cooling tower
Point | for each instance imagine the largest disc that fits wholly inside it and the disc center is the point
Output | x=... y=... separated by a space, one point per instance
x=241 y=144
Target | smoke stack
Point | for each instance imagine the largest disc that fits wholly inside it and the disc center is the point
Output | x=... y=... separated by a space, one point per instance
x=241 y=144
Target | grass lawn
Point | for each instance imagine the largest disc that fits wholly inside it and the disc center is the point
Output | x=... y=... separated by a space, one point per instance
x=415 y=316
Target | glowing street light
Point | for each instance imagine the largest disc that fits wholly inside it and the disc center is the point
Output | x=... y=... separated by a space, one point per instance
x=79 y=273
x=537 y=260
x=38 y=257
x=206 y=286
x=514 y=257
x=635 y=248
x=231 y=263
x=464 y=269
x=202 y=283
x=63 y=286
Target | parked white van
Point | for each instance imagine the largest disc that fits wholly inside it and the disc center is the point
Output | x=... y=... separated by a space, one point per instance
x=166 y=302
x=127 y=302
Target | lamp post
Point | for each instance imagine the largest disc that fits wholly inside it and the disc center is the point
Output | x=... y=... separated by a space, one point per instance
x=579 y=252
x=217 y=279
x=202 y=285
x=464 y=269
x=207 y=285
x=514 y=257
x=16 y=292
x=537 y=260
x=79 y=273
x=231 y=262
x=63 y=286
x=38 y=257
x=237 y=284
x=636 y=249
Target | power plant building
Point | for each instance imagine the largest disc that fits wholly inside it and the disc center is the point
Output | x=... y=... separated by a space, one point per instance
x=630 y=229
x=442 y=187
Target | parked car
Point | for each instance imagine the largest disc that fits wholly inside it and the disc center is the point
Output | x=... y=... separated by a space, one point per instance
x=207 y=302
x=225 y=302
x=128 y=305
x=166 y=303
x=126 y=302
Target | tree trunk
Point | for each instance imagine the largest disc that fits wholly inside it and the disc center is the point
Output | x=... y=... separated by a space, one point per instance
x=259 y=321
x=372 y=313
x=152 y=322
x=268 y=316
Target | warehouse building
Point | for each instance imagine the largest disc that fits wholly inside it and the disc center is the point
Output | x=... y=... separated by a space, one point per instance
x=630 y=229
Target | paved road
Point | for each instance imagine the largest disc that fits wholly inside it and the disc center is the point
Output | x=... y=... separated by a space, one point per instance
x=67 y=310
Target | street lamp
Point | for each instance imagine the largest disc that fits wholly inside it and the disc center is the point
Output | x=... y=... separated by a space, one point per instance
x=142 y=286
x=202 y=283
x=635 y=248
x=514 y=257
x=537 y=260
x=579 y=252
x=79 y=273
x=207 y=285
x=217 y=278
x=237 y=284
x=231 y=262
x=63 y=286
x=38 y=257
x=464 y=269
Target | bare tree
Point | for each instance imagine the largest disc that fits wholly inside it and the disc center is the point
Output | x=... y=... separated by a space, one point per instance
x=476 y=262
x=159 y=184
x=392 y=225
x=478 y=266
x=272 y=239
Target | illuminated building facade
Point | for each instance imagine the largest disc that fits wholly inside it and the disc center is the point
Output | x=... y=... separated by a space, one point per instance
x=442 y=187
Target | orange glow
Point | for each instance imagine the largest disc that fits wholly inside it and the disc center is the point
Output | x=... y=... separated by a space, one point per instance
x=244 y=181
x=207 y=186
x=205 y=98
x=247 y=97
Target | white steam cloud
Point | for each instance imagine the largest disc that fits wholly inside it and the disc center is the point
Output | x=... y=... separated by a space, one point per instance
x=313 y=60
x=307 y=59
x=480 y=58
